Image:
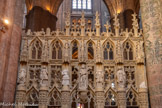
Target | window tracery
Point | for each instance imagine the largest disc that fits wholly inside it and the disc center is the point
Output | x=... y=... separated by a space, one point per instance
x=108 y=51
x=91 y=75
x=74 y=50
x=34 y=75
x=110 y=99
x=56 y=50
x=76 y=102
x=132 y=99
x=33 y=97
x=74 y=75
x=82 y=4
x=128 y=51
x=90 y=51
x=109 y=76
x=130 y=76
x=106 y=70
x=55 y=100
x=36 y=50
x=56 y=76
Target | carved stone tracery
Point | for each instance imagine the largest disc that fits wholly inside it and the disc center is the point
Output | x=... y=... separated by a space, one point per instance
x=88 y=68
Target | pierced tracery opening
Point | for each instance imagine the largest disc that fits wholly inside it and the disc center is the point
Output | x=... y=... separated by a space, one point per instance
x=36 y=50
x=56 y=50
x=108 y=51
x=55 y=100
x=128 y=51
x=56 y=75
x=110 y=101
x=33 y=98
x=34 y=75
x=74 y=75
x=74 y=50
x=77 y=103
x=109 y=76
x=132 y=99
x=90 y=51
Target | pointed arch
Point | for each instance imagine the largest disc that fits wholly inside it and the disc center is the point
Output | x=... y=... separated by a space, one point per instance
x=36 y=48
x=35 y=39
x=108 y=50
x=90 y=96
x=110 y=98
x=56 y=49
x=32 y=96
x=75 y=49
x=90 y=49
x=55 y=98
x=128 y=50
x=132 y=98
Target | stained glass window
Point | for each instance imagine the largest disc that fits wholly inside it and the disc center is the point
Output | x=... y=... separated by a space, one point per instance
x=82 y=4
x=89 y=4
x=79 y=4
x=74 y=4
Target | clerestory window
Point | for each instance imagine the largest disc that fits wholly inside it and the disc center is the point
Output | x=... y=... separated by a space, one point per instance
x=82 y=4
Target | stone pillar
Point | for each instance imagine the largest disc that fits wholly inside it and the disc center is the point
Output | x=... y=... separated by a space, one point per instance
x=20 y=97
x=121 y=82
x=10 y=47
x=6 y=11
x=143 y=90
x=100 y=99
x=143 y=98
x=39 y=18
x=100 y=96
x=43 y=97
x=66 y=99
x=65 y=86
x=121 y=98
x=151 y=13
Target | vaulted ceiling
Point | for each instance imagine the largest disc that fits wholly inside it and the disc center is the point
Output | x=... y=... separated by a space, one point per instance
x=114 y=6
x=118 y=6
x=51 y=5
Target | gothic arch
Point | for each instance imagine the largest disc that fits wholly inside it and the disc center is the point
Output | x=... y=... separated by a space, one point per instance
x=109 y=40
x=75 y=40
x=55 y=97
x=74 y=49
x=32 y=96
x=111 y=89
x=128 y=50
x=56 y=49
x=75 y=98
x=35 y=48
x=110 y=98
x=34 y=39
x=132 y=97
x=129 y=40
x=90 y=49
x=108 y=50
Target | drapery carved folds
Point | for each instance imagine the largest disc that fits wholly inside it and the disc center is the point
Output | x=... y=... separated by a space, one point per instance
x=94 y=69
